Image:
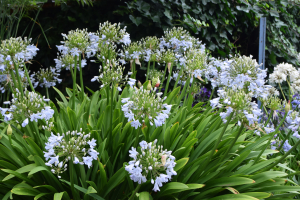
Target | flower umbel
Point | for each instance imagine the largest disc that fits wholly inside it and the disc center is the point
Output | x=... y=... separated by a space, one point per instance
x=74 y=146
x=151 y=162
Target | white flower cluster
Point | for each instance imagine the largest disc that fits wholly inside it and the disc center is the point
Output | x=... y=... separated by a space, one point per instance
x=282 y=72
x=151 y=162
x=74 y=146
x=32 y=106
x=286 y=72
x=145 y=104
x=47 y=77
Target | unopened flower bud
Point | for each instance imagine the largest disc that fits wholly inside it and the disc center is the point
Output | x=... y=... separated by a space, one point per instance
x=139 y=84
x=149 y=85
x=9 y=130
x=287 y=107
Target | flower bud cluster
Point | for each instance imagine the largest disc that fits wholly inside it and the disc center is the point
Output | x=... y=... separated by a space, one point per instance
x=31 y=107
x=111 y=74
x=48 y=77
x=75 y=43
x=112 y=33
x=145 y=104
x=150 y=46
x=73 y=146
x=151 y=162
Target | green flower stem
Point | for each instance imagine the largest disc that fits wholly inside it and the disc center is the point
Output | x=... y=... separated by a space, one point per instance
x=232 y=143
x=13 y=78
x=111 y=108
x=81 y=79
x=286 y=138
x=168 y=81
x=178 y=77
x=269 y=118
x=163 y=79
x=282 y=92
x=269 y=141
x=217 y=143
x=137 y=138
x=148 y=67
x=211 y=95
x=284 y=156
x=9 y=83
x=135 y=191
x=74 y=193
x=183 y=90
x=291 y=92
x=107 y=95
x=47 y=94
x=74 y=80
x=28 y=78
x=189 y=93
x=133 y=66
x=153 y=65
x=18 y=77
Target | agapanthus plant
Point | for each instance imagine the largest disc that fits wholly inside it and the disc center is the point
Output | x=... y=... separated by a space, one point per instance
x=151 y=162
x=73 y=146
x=144 y=104
x=31 y=107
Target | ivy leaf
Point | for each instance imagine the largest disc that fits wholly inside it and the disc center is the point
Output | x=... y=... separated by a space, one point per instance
x=167 y=14
x=137 y=21
x=155 y=18
x=272 y=57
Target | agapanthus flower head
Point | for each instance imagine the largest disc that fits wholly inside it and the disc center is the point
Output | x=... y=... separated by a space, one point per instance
x=67 y=61
x=150 y=42
x=111 y=74
x=134 y=51
x=288 y=70
x=31 y=107
x=112 y=33
x=16 y=49
x=185 y=74
x=76 y=42
x=273 y=103
x=48 y=77
x=180 y=41
x=144 y=104
x=295 y=85
x=240 y=103
x=106 y=52
x=151 y=162
x=168 y=57
x=77 y=147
